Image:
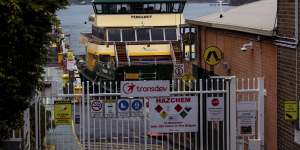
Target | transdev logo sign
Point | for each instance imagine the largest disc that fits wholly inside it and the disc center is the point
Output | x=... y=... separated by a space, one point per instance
x=145 y=88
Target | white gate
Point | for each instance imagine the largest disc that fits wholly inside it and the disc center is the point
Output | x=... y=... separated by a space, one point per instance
x=102 y=121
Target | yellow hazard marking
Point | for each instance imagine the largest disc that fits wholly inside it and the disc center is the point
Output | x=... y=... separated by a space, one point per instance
x=290 y=110
x=62 y=112
x=212 y=55
x=163 y=114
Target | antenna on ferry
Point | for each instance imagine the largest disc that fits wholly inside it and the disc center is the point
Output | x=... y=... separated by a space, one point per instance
x=221 y=8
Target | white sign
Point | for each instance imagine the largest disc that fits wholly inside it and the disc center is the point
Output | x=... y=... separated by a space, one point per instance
x=178 y=70
x=215 y=108
x=145 y=88
x=123 y=107
x=137 y=106
x=246 y=117
x=110 y=108
x=96 y=107
x=71 y=65
x=174 y=114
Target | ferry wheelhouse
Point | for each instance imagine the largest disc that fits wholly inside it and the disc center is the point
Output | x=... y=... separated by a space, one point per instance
x=133 y=39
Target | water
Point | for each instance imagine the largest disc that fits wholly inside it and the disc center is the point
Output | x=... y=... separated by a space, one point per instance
x=74 y=19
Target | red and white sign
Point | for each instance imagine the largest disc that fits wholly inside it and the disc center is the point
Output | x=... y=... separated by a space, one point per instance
x=174 y=114
x=145 y=88
x=215 y=108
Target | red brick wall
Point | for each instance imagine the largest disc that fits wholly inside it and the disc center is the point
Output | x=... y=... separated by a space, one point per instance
x=259 y=62
x=286 y=73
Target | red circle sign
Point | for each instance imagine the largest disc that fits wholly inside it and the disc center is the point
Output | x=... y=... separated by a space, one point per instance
x=215 y=102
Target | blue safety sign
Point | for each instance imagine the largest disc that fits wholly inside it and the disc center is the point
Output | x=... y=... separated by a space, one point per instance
x=136 y=105
x=123 y=105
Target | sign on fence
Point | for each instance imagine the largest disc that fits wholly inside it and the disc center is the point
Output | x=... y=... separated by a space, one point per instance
x=215 y=108
x=62 y=112
x=137 y=107
x=174 y=114
x=123 y=107
x=145 y=88
x=246 y=118
x=97 y=107
x=110 y=108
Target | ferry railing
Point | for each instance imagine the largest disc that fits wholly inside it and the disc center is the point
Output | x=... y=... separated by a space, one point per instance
x=127 y=55
x=172 y=53
x=116 y=55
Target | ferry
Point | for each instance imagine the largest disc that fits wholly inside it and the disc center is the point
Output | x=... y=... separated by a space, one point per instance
x=136 y=40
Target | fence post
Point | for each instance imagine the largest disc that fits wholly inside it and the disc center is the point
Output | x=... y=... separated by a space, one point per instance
x=88 y=113
x=232 y=111
x=261 y=110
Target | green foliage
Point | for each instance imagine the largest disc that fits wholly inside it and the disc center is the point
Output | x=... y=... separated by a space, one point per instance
x=25 y=27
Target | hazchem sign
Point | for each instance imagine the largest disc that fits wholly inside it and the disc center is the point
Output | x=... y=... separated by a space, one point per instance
x=145 y=88
x=215 y=108
x=62 y=112
x=174 y=114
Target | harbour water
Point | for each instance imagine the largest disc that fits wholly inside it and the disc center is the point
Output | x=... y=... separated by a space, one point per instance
x=74 y=19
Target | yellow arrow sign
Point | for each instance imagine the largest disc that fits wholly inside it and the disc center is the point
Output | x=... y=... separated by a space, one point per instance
x=212 y=55
x=290 y=110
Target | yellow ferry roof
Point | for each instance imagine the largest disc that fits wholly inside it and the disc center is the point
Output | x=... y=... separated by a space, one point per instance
x=100 y=49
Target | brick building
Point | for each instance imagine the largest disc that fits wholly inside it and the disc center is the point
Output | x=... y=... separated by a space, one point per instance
x=288 y=74
x=253 y=25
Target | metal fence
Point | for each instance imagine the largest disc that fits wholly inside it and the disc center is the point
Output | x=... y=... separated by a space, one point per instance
x=131 y=130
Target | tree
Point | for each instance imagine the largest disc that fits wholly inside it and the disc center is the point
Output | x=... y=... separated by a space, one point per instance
x=25 y=26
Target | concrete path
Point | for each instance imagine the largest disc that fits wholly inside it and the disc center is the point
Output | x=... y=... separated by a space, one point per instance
x=63 y=138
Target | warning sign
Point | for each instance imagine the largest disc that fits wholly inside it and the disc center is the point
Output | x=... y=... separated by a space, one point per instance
x=62 y=112
x=212 y=55
x=174 y=114
x=215 y=108
x=290 y=110
x=97 y=107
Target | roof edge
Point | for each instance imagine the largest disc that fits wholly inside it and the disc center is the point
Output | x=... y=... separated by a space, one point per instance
x=232 y=27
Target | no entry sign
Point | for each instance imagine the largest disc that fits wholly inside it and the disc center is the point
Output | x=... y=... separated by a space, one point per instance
x=215 y=108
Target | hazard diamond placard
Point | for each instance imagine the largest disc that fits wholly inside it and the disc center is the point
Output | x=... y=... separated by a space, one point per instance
x=174 y=114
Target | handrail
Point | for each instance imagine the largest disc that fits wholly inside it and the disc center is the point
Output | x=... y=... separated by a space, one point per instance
x=116 y=55
x=127 y=55
x=172 y=53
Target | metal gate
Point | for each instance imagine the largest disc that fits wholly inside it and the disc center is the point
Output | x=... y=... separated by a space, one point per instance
x=98 y=129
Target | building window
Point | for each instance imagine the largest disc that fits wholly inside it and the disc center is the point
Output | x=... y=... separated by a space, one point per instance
x=128 y=35
x=170 y=34
x=114 y=35
x=157 y=34
x=143 y=34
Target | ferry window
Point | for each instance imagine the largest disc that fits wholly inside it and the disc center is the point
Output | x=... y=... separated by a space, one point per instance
x=98 y=32
x=157 y=34
x=136 y=7
x=109 y=8
x=143 y=34
x=170 y=34
x=128 y=35
x=163 y=7
x=98 y=8
x=176 y=7
x=114 y=35
x=123 y=8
